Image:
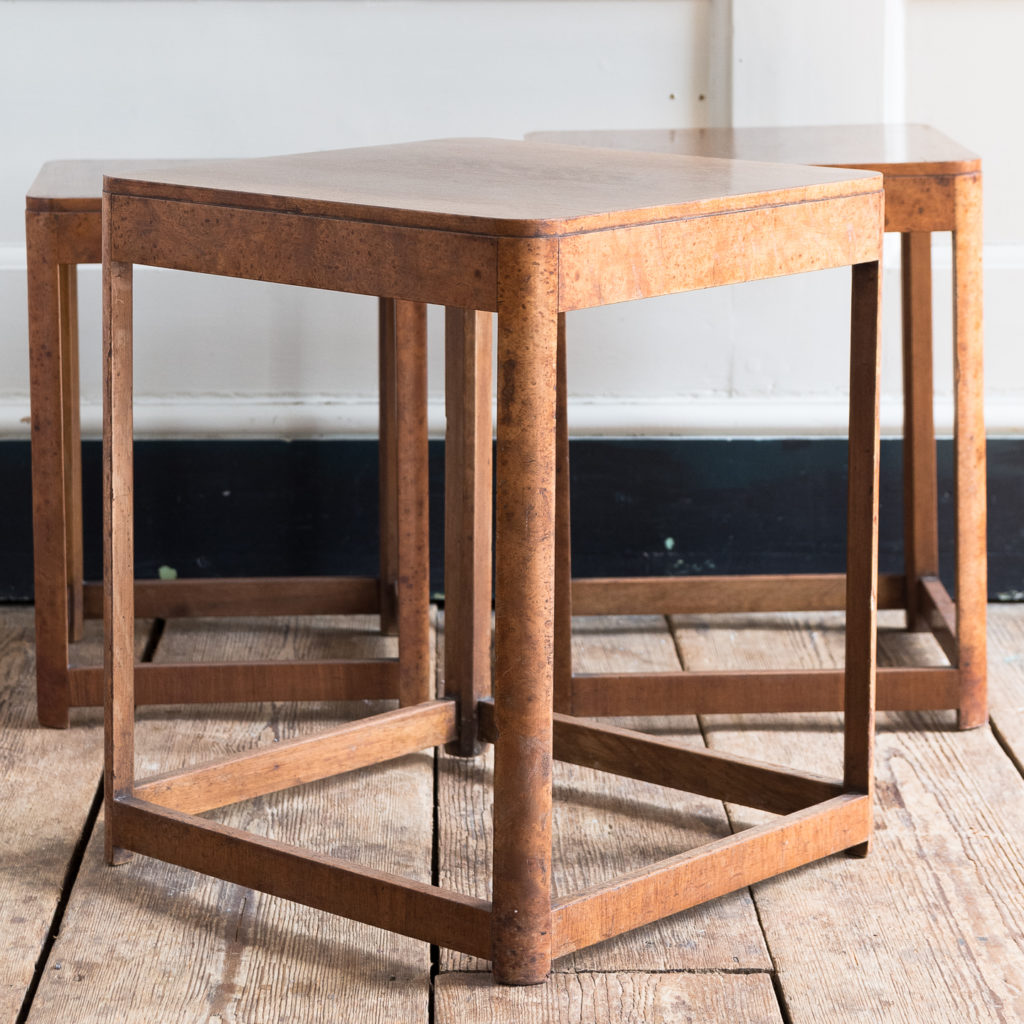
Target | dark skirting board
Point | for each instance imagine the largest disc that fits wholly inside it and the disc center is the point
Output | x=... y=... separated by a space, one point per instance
x=640 y=507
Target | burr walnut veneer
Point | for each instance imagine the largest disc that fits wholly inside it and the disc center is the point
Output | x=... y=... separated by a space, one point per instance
x=530 y=232
x=63 y=231
x=931 y=184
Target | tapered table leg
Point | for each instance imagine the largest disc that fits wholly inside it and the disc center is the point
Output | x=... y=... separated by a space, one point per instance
x=467 y=552
x=563 y=537
x=920 y=489
x=862 y=534
x=411 y=497
x=524 y=608
x=386 y=462
x=49 y=484
x=72 y=446
x=969 y=457
x=118 y=553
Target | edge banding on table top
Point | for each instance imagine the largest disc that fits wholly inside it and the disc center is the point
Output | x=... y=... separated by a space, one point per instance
x=493 y=186
x=76 y=186
x=896 y=150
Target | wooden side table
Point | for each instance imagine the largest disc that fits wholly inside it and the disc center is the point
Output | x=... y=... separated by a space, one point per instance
x=931 y=184
x=62 y=223
x=531 y=232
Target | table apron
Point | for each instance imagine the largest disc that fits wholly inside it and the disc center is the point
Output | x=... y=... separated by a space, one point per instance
x=602 y=267
x=920 y=202
x=418 y=264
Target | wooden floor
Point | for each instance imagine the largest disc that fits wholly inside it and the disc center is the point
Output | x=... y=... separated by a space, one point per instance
x=930 y=928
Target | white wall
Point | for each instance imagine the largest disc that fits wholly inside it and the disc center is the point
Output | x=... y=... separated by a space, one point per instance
x=965 y=73
x=93 y=78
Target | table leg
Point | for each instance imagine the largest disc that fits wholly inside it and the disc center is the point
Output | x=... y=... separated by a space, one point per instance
x=862 y=534
x=72 y=445
x=118 y=553
x=467 y=550
x=524 y=608
x=563 y=538
x=969 y=453
x=386 y=462
x=49 y=524
x=411 y=499
x=920 y=487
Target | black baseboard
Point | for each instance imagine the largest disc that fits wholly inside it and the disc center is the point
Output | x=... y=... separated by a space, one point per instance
x=640 y=507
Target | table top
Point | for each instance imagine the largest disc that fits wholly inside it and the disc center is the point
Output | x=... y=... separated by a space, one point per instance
x=76 y=186
x=495 y=186
x=900 y=149
x=477 y=186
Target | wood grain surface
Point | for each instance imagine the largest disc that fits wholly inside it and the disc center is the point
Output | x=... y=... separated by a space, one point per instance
x=188 y=947
x=48 y=781
x=905 y=149
x=491 y=186
x=626 y=998
x=927 y=927
x=605 y=825
x=1006 y=670
x=76 y=186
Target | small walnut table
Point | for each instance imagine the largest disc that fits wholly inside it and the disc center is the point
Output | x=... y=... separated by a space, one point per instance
x=63 y=230
x=931 y=184
x=528 y=231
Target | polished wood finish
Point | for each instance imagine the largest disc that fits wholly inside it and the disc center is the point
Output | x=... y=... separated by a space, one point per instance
x=969 y=450
x=67 y=286
x=342 y=887
x=708 y=872
x=118 y=540
x=705 y=595
x=906 y=150
x=637 y=755
x=307 y=759
x=258 y=595
x=412 y=521
x=190 y=683
x=521 y=198
x=63 y=209
x=660 y=256
x=76 y=186
x=757 y=691
x=524 y=609
x=50 y=503
x=931 y=184
x=862 y=533
x=920 y=475
x=468 y=510
x=387 y=491
x=940 y=614
x=526 y=231
x=565 y=592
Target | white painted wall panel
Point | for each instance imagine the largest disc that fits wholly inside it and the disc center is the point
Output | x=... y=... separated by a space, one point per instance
x=965 y=75
x=807 y=62
x=89 y=78
x=176 y=78
x=221 y=77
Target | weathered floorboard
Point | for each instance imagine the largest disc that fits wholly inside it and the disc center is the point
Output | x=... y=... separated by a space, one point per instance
x=931 y=925
x=928 y=927
x=626 y=998
x=150 y=941
x=48 y=780
x=606 y=825
x=1006 y=677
